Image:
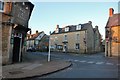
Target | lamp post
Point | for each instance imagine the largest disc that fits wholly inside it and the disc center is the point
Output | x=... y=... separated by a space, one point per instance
x=49 y=48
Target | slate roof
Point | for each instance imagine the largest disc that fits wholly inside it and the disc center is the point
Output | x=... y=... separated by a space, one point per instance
x=72 y=28
x=34 y=35
x=114 y=20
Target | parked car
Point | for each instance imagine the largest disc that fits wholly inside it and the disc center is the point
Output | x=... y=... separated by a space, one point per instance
x=31 y=50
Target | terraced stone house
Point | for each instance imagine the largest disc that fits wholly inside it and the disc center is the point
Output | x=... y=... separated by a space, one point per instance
x=74 y=38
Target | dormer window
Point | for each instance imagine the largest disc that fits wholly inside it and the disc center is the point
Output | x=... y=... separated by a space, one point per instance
x=66 y=29
x=57 y=30
x=78 y=27
x=1 y=6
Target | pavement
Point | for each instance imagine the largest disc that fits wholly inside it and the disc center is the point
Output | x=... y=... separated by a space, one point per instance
x=26 y=70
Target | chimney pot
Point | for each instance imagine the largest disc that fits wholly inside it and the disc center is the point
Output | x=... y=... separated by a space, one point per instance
x=90 y=22
x=111 y=12
x=96 y=27
x=36 y=31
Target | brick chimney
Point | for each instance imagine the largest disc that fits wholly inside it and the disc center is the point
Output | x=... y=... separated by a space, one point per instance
x=111 y=12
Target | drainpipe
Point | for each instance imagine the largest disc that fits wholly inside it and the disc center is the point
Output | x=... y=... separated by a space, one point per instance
x=110 y=43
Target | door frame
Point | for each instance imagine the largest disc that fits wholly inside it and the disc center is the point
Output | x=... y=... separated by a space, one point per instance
x=19 y=35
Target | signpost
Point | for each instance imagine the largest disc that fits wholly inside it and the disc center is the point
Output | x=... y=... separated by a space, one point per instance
x=49 y=48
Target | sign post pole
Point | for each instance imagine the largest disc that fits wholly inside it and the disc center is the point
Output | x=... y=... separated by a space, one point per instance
x=49 y=49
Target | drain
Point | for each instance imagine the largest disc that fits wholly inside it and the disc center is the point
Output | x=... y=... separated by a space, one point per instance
x=15 y=72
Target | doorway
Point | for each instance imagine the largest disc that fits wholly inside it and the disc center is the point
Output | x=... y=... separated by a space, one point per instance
x=65 y=48
x=16 y=49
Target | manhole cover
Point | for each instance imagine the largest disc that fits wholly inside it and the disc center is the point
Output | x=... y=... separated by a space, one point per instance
x=15 y=72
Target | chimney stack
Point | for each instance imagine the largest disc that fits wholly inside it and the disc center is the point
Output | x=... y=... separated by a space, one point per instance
x=57 y=27
x=111 y=12
x=96 y=27
x=90 y=22
x=36 y=31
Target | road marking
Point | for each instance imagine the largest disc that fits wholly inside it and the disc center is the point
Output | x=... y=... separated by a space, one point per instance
x=99 y=62
x=118 y=64
x=70 y=60
x=69 y=69
x=109 y=63
x=82 y=61
x=90 y=62
x=57 y=58
x=76 y=60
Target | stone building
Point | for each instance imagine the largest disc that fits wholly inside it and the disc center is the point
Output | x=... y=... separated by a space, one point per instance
x=44 y=44
x=14 y=26
x=37 y=41
x=73 y=38
x=112 y=44
x=97 y=40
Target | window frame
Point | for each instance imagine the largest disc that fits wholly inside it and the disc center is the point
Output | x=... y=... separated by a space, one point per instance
x=1 y=6
x=78 y=27
x=66 y=29
x=77 y=46
x=65 y=37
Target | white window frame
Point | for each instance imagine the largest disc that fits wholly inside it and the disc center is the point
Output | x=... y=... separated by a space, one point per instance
x=36 y=42
x=66 y=29
x=77 y=46
x=78 y=27
x=56 y=31
x=1 y=6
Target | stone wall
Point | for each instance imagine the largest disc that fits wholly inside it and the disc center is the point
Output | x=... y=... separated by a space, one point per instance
x=90 y=39
x=5 y=43
x=71 y=39
x=115 y=40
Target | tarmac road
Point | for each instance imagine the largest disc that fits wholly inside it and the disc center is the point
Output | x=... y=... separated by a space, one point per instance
x=84 y=65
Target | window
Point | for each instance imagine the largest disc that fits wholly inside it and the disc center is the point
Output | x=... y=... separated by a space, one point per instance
x=66 y=29
x=60 y=47
x=77 y=46
x=78 y=27
x=1 y=5
x=65 y=37
x=37 y=42
x=78 y=37
x=56 y=31
x=39 y=36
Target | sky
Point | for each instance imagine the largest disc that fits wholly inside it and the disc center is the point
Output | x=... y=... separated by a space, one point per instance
x=46 y=15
